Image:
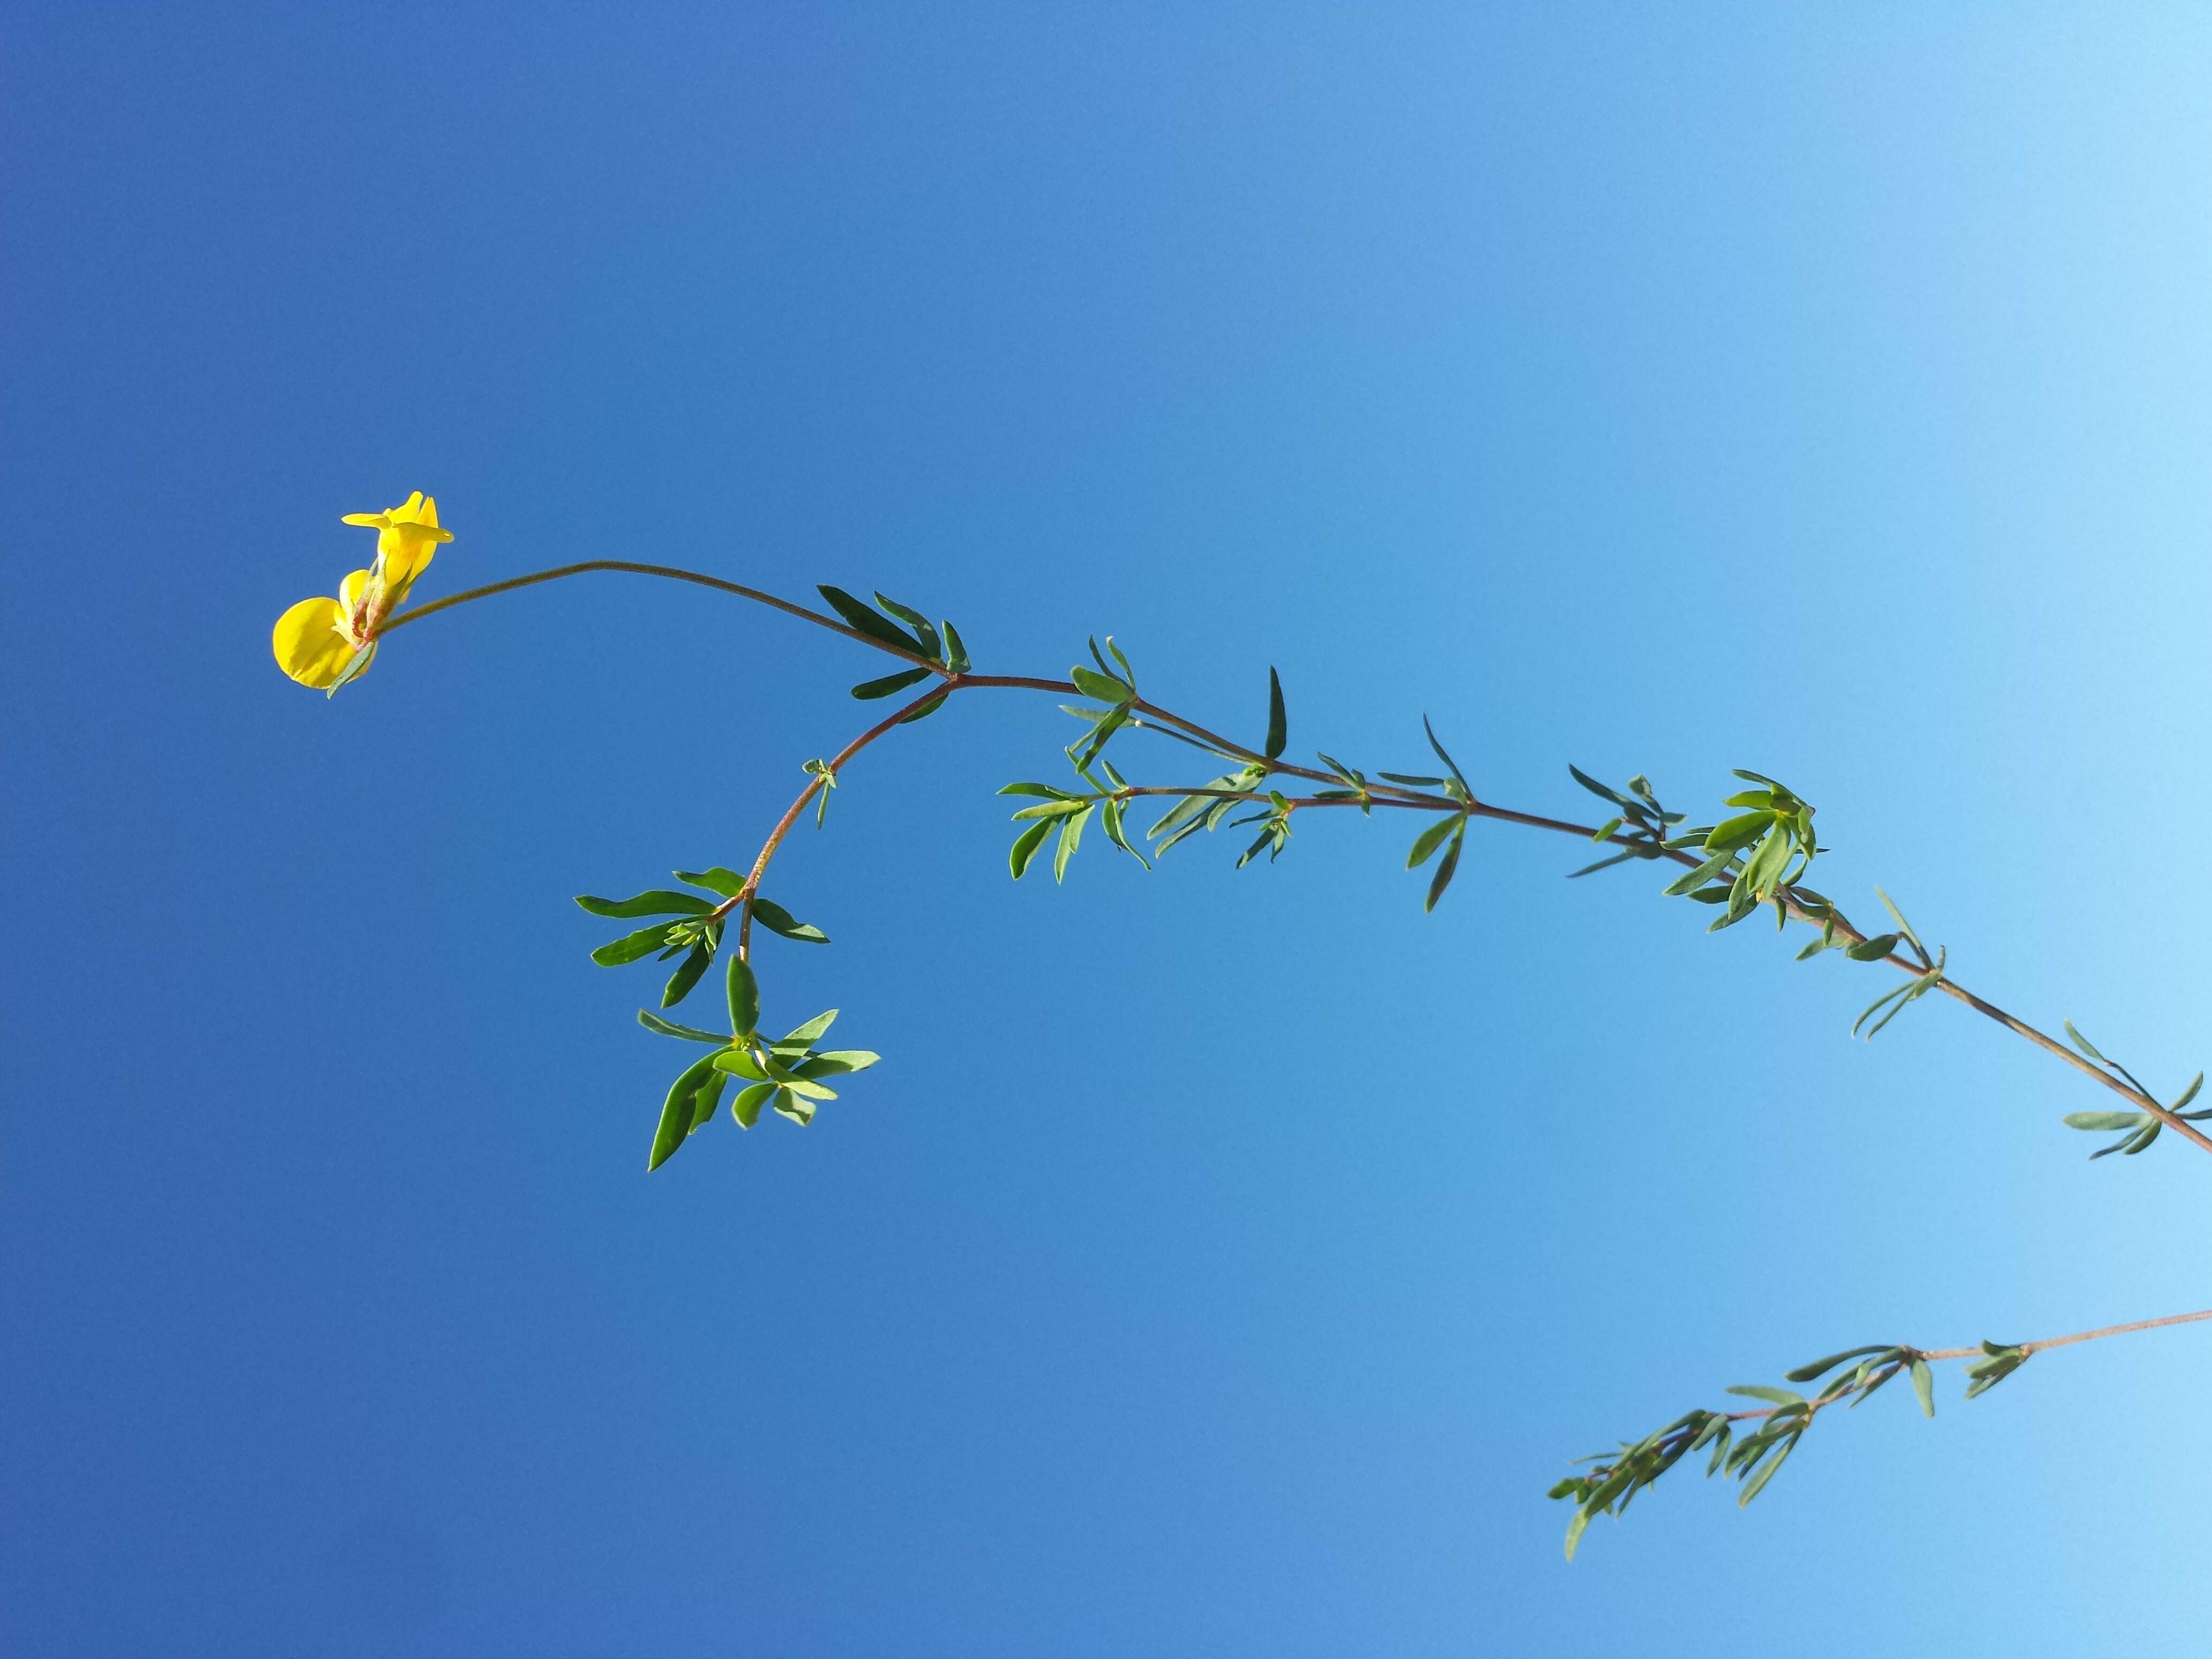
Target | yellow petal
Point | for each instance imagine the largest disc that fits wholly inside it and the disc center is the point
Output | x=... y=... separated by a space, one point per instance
x=310 y=644
x=371 y=520
x=350 y=593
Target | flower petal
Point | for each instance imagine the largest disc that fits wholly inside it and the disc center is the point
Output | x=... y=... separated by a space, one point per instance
x=311 y=645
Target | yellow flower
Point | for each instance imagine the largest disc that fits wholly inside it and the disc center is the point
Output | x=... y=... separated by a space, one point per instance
x=325 y=642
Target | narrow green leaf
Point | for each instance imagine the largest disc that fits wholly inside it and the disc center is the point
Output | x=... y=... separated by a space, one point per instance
x=1450 y=765
x=714 y=879
x=1279 y=719
x=1691 y=881
x=2079 y=1041
x=1025 y=846
x=922 y=711
x=687 y=975
x=1807 y=1373
x=740 y=1062
x=1071 y=836
x=675 y=1112
x=805 y=1035
x=1432 y=838
x=777 y=920
x=706 y=1098
x=630 y=946
x=871 y=622
x=956 y=653
x=1104 y=687
x=789 y=1104
x=1923 y=1385
x=746 y=1107
x=868 y=691
x=1772 y=1396
x=1767 y=1471
x=2188 y=1094
x=1446 y=867
x=744 y=996
x=658 y=902
x=669 y=1027
x=2105 y=1122
x=1576 y=1523
x=835 y=1063
x=1732 y=833
x=918 y=622
x=1872 y=949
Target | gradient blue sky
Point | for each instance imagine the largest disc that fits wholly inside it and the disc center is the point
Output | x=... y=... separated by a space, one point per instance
x=1221 y=1262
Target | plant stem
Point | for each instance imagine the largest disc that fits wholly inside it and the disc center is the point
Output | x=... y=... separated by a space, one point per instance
x=1380 y=794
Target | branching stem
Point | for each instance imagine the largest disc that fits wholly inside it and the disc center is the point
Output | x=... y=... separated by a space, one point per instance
x=1378 y=794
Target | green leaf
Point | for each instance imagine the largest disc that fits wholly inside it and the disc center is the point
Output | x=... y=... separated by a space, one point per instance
x=1279 y=719
x=1062 y=808
x=2079 y=1041
x=1923 y=1385
x=789 y=1105
x=740 y=1062
x=802 y=1036
x=716 y=879
x=1071 y=835
x=1767 y=1470
x=1109 y=815
x=870 y=622
x=630 y=946
x=687 y=975
x=956 y=655
x=658 y=903
x=746 y=1107
x=1100 y=732
x=1772 y=1396
x=799 y=1085
x=669 y=1027
x=1697 y=878
x=1043 y=789
x=1807 y=1373
x=1025 y=846
x=2105 y=1122
x=922 y=711
x=918 y=622
x=1576 y=1523
x=2188 y=1094
x=868 y=691
x=1450 y=765
x=1104 y=687
x=675 y=1112
x=1432 y=838
x=777 y=920
x=1446 y=867
x=1872 y=949
x=836 y=1062
x=1732 y=833
x=1604 y=831
x=745 y=997
x=1410 y=780
x=706 y=1098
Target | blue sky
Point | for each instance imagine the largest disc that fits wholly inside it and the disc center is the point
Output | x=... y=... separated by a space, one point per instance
x=1220 y=1261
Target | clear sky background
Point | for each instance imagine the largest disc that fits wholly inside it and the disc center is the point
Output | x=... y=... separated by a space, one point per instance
x=1221 y=1262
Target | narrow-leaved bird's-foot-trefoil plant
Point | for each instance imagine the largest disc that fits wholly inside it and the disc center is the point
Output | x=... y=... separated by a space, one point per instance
x=1755 y=860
